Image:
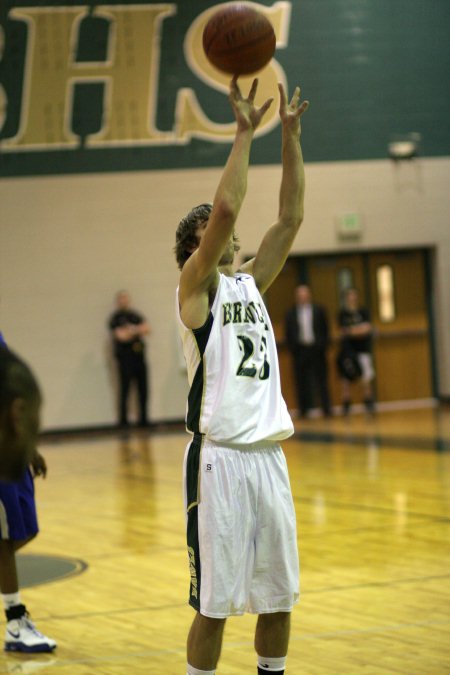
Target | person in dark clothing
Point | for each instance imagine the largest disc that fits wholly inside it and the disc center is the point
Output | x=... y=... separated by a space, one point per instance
x=20 y=463
x=307 y=340
x=356 y=339
x=129 y=328
x=20 y=404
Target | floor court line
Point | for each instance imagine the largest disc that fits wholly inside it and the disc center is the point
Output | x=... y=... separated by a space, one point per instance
x=181 y=605
x=127 y=656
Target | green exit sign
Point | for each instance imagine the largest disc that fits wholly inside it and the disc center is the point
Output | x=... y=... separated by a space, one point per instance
x=349 y=226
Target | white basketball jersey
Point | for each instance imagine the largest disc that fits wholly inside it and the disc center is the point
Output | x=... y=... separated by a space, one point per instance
x=232 y=362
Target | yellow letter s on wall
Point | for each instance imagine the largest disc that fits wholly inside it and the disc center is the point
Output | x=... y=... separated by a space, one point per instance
x=190 y=119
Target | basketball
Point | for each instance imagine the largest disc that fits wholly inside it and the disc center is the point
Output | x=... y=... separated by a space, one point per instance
x=239 y=40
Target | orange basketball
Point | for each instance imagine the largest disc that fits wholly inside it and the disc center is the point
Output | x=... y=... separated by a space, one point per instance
x=239 y=40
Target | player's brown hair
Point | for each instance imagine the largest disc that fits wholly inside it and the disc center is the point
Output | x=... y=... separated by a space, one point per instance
x=186 y=237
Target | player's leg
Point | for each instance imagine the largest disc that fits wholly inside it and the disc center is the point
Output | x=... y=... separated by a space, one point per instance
x=271 y=642
x=8 y=570
x=204 y=643
x=301 y=381
x=275 y=582
x=367 y=377
x=321 y=372
x=125 y=376
x=18 y=526
x=21 y=634
x=142 y=386
x=307 y=383
x=368 y=397
x=9 y=584
x=346 y=401
x=220 y=526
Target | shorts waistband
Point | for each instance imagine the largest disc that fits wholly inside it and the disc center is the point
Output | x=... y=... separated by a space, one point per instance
x=258 y=445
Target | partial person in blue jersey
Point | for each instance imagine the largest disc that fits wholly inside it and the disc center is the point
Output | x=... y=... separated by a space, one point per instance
x=241 y=523
x=20 y=402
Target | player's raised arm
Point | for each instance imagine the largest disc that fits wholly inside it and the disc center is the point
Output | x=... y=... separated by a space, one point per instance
x=200 y=269
x=278 y=240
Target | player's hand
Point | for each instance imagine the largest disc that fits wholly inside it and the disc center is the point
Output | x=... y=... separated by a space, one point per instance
x=248 y=116
x=290 y=113
x=38 y=465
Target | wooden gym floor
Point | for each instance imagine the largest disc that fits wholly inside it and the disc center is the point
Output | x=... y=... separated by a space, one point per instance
x=373 y=507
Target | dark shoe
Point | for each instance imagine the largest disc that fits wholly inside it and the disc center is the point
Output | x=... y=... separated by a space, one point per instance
x=370 y=406
x=346 y=405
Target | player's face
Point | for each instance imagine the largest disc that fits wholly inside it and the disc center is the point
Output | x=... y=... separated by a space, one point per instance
x=351 y=299
x=228 y=255
x=123 y=300
x=230 y=249
x=18 y=437
x=303 y=295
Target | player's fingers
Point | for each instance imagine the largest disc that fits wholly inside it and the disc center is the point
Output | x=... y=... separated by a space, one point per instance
x=295 y=97
x=265 y=107
x=234 y=87
x=252 y=92
x=303 y=107
x=283 y=98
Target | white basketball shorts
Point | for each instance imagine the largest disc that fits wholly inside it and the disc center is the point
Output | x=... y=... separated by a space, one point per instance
x=241 y=529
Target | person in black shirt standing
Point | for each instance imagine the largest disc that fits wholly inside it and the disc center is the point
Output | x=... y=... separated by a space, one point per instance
x=129 y=328
x=356 y=336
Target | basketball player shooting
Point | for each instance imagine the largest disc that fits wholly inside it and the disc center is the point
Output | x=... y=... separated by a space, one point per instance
x=241 y=526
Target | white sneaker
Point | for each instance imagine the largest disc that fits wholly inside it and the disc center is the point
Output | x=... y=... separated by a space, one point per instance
x=22 y=636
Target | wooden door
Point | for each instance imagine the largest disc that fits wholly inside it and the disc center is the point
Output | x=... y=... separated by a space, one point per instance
x=402 y=334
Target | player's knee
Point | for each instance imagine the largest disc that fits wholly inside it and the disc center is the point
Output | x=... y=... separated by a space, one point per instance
x=210 y=623
x=275 y=619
